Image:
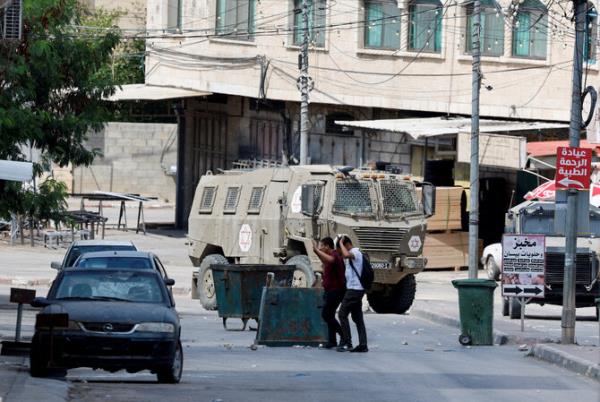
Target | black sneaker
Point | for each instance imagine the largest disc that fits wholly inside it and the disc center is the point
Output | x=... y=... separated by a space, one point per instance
x=360 y=349
x=344 y=347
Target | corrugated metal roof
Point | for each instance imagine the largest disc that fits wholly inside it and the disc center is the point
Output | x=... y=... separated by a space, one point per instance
x=438 y=126
x=16 y=171
x=153 y=92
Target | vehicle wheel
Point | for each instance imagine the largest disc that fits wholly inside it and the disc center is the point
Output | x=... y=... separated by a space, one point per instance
x=465 y=339
x=403 y=294
x=505 y=306
x=172 y=373
x=492 y=269
x=304 y=277
x=514 y=308
x=379 y=302
x=206 y=285
x=38 y=359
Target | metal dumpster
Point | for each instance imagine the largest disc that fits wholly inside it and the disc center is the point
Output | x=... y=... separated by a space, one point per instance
x=291 y=316
x=239 y=288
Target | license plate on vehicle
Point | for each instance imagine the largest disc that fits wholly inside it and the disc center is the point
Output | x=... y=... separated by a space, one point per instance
x=380 y=265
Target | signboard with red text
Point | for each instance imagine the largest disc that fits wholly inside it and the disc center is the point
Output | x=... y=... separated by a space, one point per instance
x=573 y=168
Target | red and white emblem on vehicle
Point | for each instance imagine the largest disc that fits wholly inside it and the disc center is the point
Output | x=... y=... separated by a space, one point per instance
x=414 y=244
x=245 y=238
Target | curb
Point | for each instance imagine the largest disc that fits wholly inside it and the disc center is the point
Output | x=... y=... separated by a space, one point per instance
x=541 y=349
x=560 y=358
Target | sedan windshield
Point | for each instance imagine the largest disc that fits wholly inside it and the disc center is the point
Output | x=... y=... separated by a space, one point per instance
x=114 y=262
x=78 y=250
x=109 y=285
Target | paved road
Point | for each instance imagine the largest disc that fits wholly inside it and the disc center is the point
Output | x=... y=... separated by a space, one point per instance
x=410 y=360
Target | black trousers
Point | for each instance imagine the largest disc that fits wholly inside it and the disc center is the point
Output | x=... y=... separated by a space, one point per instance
x=352 y=305
x=332 y=300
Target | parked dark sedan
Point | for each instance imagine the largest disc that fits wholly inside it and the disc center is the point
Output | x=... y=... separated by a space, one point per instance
x=121 y=259
x=112 y=319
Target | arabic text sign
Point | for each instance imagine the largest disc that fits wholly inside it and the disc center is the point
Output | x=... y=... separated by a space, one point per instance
x=523 y=265
x=573 y=168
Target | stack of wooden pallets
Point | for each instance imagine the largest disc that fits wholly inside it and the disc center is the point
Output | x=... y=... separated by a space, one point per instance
x=446 y=245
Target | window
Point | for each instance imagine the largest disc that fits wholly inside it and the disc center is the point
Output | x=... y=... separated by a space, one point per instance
x=256 y=198
x=231 y=200
x=174 y=15
x=332 y=128
x=316 y=22
x=236 y=18
x=208 y=199
x=425 y=33
x=492 y=29
x=382 y=24
x=353 y=198
x=530 y=30
x=591 y=36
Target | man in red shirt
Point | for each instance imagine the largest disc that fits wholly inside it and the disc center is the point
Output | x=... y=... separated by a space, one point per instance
x=334 y=284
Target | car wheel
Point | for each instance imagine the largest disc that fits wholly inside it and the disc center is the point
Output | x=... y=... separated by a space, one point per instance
x=38 y=359
x=172 y=373
x=505 y=306
x=492 y=269
x=304 y=277
x=514 y=308
x=403 y=294
x=379 y=302
x=206 y=284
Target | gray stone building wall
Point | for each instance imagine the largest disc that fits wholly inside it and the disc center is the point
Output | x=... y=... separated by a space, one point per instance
x=136 y=158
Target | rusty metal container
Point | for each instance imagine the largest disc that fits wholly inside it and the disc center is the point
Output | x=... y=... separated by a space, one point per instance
x=291 y=316
x=239 y=288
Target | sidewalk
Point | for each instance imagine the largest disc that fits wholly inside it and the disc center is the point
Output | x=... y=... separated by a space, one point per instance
x=437 y=301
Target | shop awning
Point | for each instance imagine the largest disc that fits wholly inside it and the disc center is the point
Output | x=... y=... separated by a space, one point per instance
x=16 y=171
x=153 y=92
x=548 y=148
x=438 y=126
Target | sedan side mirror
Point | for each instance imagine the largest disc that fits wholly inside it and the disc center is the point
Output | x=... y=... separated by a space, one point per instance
x=40 y=302
x=55 y=265
x=169 y=282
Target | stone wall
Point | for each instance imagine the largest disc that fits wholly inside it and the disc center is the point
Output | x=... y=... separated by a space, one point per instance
x=137 y=158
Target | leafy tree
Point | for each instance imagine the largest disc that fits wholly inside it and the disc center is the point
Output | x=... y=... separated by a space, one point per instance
x=52 y=86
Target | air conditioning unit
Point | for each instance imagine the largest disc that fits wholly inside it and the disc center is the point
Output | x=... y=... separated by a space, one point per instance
x=11 y=19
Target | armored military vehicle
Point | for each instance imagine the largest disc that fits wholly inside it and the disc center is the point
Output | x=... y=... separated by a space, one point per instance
x=272 y=215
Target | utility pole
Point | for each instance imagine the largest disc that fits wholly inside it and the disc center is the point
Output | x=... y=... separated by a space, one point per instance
x=568 y=311
x=303 y=84
x=474 y=174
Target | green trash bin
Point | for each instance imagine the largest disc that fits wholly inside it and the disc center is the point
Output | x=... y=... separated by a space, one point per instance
x=476 y=306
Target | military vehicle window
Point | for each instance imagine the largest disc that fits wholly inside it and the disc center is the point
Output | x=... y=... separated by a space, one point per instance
x=255 y=200
x=352 y=197
x=397 y=198
x=231 y=200
x=208 y=199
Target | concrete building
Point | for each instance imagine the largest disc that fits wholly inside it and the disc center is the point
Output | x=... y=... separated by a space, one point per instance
x=369 y=60
x=133 y=12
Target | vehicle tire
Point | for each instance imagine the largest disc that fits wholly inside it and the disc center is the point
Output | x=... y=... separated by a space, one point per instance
x=38 y=359
x=172 y=373
x=403 y=294
x=379 y=302
x=505 y=306
x=465 y=339
x=491 y=268
x=304 y=277
x=514 y=308
x=206 y=285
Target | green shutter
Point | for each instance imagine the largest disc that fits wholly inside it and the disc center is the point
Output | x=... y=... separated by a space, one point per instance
x=374 y=25
x=438 y=29
x=221 y=16
x=539 y=35
x=251 y=18
x=521 y=35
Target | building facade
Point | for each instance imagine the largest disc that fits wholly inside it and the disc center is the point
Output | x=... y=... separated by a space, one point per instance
x=369 y=59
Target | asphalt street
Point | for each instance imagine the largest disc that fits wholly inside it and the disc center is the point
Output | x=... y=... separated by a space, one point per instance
x=410 y=360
